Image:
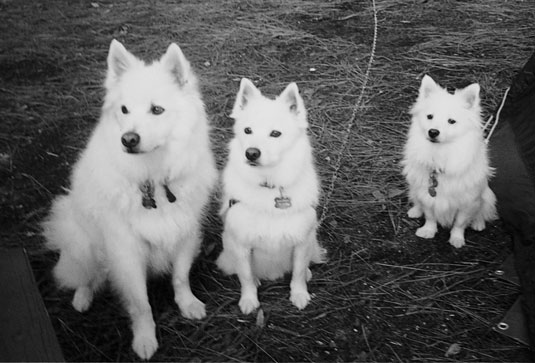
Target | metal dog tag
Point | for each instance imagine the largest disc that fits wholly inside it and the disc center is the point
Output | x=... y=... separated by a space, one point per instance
x=433 y=183
x=169 y=194
x=283 y=202
x=147 y=195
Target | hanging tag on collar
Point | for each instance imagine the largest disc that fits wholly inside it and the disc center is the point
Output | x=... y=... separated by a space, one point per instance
x=147 y=194
x=433 y=184
x=282 y=202
x=169 y=194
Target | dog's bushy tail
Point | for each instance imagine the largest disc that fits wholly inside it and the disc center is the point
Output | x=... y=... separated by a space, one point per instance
x=488 y=209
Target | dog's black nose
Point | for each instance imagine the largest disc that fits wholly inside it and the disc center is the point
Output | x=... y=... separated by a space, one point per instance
x=433 y=133
x=252 y=154
x=130 y=139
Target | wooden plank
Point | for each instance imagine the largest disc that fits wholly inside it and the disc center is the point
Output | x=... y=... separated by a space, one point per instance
x=26 y=333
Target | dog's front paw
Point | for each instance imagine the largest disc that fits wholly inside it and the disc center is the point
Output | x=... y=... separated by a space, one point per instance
x=415 y=212
x=300 y=299
x=248 y=304
x=82 y=299
x=457 y=237
x=193 y=310
x=426 y=232
x=457 y=241
x=145 y=345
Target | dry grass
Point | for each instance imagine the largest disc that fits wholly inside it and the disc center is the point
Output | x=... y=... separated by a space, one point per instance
x=384 y=295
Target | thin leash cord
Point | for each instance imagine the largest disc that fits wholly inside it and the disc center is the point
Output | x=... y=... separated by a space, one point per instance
x=491 y=131
x=351 y=122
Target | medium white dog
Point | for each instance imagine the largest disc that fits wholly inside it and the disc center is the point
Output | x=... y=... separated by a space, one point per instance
x=446 y=163
x=270 y=193
x=138 y=191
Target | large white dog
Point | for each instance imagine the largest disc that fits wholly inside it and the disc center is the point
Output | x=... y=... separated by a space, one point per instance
x=138 y=191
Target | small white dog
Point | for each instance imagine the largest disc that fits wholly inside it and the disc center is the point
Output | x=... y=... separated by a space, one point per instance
x=446 y=163
x=270 y=193
x=138 y=191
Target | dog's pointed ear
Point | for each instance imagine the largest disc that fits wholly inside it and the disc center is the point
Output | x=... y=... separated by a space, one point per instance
x=246 y=92
x=292 y=99
x=427 y=87
x=175 y=61
x=119 y=60
x=470 y=95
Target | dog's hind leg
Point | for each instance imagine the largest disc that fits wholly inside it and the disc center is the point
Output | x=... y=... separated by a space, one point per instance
x=190 y=306
x=83 y=297
x=82 y=274
x=415 y=211
x=78 y=267
x=478 y=224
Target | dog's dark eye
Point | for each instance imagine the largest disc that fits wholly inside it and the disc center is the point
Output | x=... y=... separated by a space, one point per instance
x=429 y=117
x=248 y=130
x=156 y=110
x=124 y=109
x=451 y=121
x=275 y=133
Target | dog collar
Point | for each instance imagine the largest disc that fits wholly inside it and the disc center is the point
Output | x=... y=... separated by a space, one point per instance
x=147 y=194
x=281 y=202
x=266 y=185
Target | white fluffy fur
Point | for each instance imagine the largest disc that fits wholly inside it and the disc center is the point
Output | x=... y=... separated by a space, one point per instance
x=459 y=156
x=100 y=227
x=259 y=240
